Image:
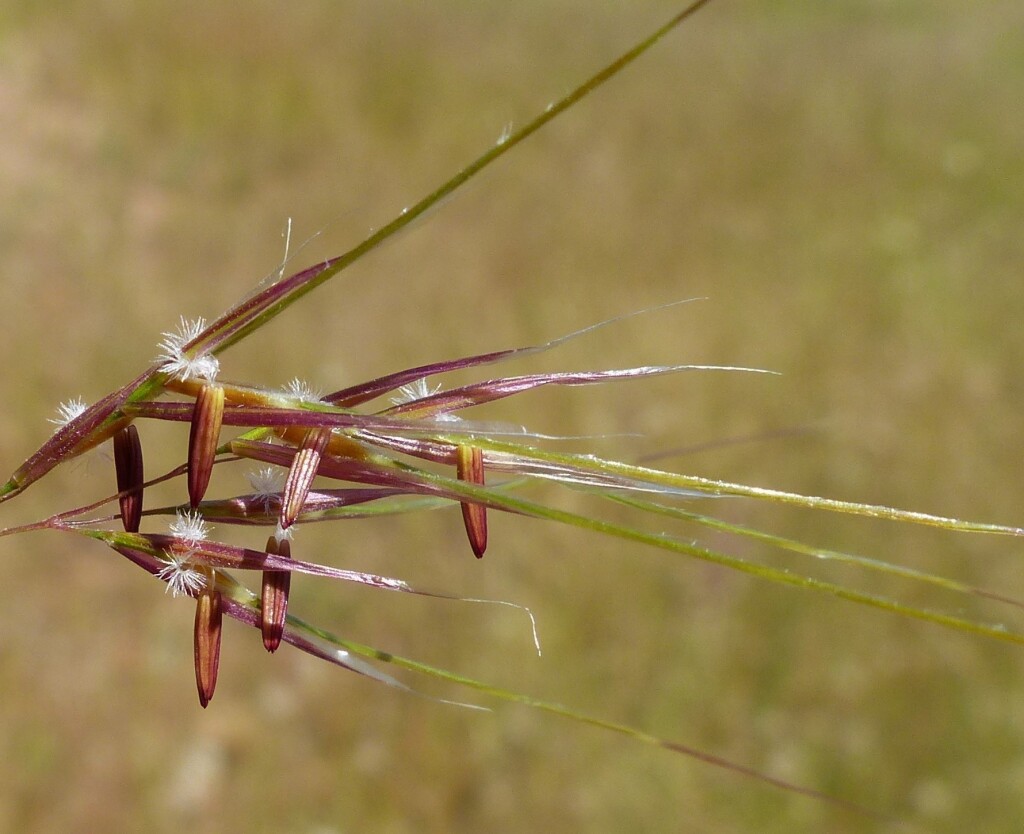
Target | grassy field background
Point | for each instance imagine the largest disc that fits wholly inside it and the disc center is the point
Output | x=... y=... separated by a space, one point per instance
x=844 y=184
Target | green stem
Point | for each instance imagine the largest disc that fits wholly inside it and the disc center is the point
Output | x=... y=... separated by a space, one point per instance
x=241 y=322
x=722 y=488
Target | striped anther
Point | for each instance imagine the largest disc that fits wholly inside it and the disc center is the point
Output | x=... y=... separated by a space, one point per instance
x=301 y=475
x=130 y=476
x=469 y=465
x=203 y=437
x=274 y=599
x=207 y=640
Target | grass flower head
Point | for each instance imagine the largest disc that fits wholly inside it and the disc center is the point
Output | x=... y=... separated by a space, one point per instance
x=328 y=458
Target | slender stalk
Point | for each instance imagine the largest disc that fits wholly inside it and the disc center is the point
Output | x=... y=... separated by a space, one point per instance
x=256 y=311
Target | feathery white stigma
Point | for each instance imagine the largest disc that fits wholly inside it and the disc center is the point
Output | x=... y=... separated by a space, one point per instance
x=266 y=484
x=413 y=391
x=181 y=576
x=179 y=570
x=302 y=390
x=190 y=527
x=66 y=412
x=172 y=357
x=283 y=534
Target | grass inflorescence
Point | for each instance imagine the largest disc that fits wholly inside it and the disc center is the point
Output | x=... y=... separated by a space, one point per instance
x=397 y=444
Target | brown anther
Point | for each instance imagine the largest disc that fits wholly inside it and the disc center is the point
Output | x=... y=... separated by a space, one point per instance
x=301 y=475
x=469 y=465
x=130 y=477
x=207 y=639
x=274 y=600
x=207 y=416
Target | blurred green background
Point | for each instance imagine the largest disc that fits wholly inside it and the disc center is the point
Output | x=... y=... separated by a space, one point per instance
x=844 y=182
